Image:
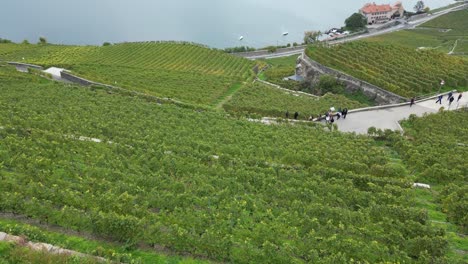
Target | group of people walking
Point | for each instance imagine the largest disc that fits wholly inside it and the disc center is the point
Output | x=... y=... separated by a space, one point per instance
x=450 y=98
x=329 y=115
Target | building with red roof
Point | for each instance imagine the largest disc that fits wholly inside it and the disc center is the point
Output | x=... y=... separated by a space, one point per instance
x=381 y=13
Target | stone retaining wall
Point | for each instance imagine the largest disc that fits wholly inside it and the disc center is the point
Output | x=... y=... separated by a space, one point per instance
x=45 y=247
x=286 y=90
x=312 y=70
x=26 y=65
x=417 y=17
x=66 y=75
x=75 y=79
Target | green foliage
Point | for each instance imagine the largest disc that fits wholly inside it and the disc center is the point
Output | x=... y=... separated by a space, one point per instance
x=272 y=49
x=311 y=36
x=5 y=40
x=438 y=34
x=269 y=101
x=356 y=22
x=42 y=41
x=25 y=42
x=419 y=7
x=455 y=204
x=239 y=49
x=10 y=253
x=278 y=69
x=105 y=44
x=398 y=69
x=108 y=251
x=201 y=183
x=181 y=71
x=438 y=155
x=329 y=84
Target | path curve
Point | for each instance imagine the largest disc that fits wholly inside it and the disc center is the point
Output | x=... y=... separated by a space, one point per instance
x=388 y=118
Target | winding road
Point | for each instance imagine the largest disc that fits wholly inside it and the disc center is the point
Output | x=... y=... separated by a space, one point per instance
x=284 y=52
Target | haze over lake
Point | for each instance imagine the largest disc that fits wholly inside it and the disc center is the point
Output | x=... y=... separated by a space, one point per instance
x=216 y=23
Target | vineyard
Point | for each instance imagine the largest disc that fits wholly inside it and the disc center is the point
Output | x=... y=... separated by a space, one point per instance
x=182 y=71
x=397 y=69
x=437 y=155
x=268 y=101
x=443 y=163
x=438 y=34
x=200 y=183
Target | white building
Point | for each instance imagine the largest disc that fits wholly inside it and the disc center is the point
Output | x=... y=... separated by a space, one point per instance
x=382 y=13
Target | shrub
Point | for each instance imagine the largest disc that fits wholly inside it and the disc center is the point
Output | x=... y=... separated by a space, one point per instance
x=42 y=40
x=272 y=49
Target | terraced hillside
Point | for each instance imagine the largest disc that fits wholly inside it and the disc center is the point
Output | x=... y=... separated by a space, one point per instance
x=439 y=34
x=186 y=72
x=436 y=154
x=268 y=101
x=399 y=69
x=202 y=183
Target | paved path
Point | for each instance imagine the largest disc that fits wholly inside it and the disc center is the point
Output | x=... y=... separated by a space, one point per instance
x=388 y=118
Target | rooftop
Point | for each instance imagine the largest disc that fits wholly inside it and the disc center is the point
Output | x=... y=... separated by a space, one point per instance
x=374 y=8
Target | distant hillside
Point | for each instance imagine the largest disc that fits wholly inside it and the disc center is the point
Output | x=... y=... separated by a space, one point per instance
x=399 y=69
x=182 y=71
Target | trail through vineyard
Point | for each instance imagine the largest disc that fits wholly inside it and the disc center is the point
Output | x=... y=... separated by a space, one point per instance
x=358 y=121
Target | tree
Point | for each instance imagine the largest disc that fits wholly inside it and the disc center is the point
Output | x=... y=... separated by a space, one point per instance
x=355 y=22
x=311 y=36
x=25 y=42
x=329 y=84
x=42 y=40
x=419 y=7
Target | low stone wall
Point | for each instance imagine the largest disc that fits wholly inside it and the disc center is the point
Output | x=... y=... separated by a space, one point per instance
x=286 y=90
x=26 y=65
x=312 y=70
x=417 y=17
x=44 y=247
x=66 y=75
x=75 y=79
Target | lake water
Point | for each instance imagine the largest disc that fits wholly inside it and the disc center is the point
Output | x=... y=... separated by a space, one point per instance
x=216 y=23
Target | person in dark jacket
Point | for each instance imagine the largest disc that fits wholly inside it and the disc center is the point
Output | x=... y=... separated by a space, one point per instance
x=296 y=115
x=287 y=114
x=345 y=112
x=412 y=102
x=439 y=99
x=459 y=97
x=449 y=96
